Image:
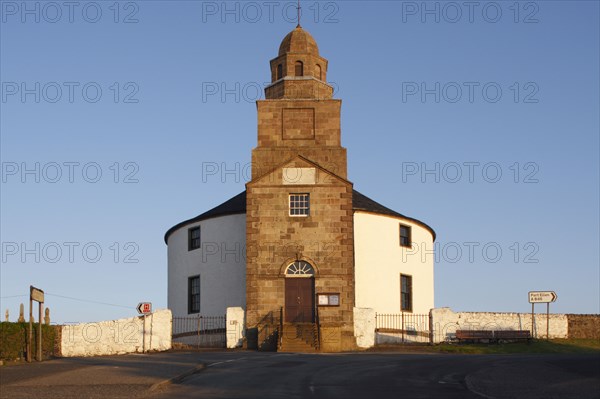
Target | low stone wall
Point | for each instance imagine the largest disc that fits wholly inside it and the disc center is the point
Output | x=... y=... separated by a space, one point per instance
x=118 y=336
x=584 y=326
x=446 y=322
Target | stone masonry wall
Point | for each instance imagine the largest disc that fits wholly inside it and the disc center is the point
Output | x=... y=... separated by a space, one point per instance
x=317 y=139
x=324 y=239
x=584 y=326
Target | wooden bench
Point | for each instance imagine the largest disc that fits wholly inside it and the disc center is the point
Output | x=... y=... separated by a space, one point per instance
x=474 y=335
x=512 y=335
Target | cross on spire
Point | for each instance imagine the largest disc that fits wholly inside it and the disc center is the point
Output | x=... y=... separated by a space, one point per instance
x=299 y=13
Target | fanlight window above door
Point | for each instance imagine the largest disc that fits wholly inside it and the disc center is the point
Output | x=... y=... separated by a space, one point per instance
x=300 y=268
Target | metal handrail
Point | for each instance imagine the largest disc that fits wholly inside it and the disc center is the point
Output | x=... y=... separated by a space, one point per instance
x=280 y=327
x=317 y=323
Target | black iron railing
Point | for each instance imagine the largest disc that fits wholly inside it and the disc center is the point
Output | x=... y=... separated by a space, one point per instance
x=406 y=327
x=280 y=332
x=200 y=331
x=317 y=328
x=268 y=331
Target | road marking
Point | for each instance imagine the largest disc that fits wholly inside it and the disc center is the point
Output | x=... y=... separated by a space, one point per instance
x=471 y=388
x=225 y=361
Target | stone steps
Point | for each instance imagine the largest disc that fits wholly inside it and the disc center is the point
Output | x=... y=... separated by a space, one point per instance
x=298 y=338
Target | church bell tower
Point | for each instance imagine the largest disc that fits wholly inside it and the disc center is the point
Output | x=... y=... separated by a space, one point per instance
x=299 y=215
x=299 y=115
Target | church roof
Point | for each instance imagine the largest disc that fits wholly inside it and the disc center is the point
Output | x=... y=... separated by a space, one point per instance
x=298 y=41
x=237 y=205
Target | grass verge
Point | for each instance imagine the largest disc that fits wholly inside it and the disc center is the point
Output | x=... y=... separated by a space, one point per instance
x=535 y=346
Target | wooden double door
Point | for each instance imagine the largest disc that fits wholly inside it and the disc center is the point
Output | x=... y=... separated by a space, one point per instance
x=300 y=300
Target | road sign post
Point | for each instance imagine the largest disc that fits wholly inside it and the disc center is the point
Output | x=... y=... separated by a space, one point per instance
x=144 y=308
x=541 y=297
x=532 y=320
x=547 y=320
x=35 y=294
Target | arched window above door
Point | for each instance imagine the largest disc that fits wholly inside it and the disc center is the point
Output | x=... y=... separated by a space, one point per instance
x=300 y=268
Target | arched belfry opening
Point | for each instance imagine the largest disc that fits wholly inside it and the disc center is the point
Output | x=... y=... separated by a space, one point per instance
x=299 y=69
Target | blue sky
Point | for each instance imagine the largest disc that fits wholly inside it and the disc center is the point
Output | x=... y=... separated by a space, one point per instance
x=482 y=120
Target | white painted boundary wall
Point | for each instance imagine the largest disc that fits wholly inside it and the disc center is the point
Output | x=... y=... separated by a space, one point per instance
x=235 y=327
x=118 y=336
x=446 y=322
x=364 y=327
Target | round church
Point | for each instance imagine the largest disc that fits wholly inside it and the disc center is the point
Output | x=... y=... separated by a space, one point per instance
x=299 y=250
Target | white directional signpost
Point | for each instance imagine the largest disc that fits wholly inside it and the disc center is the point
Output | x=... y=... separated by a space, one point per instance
x=541 y=297
x=144 y=308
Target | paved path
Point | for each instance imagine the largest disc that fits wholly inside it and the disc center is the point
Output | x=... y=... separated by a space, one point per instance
x=240 y=374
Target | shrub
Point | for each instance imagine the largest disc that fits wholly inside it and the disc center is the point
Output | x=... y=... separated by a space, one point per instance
x=14 y=336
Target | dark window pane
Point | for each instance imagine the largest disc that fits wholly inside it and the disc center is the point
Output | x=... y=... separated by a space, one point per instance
x=406 y=293
x=194 y=238
x=194 y=294
x=405 y=236
x=299 y=204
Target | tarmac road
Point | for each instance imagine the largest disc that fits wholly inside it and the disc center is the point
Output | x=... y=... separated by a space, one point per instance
x=246 y=374
x=392 y=375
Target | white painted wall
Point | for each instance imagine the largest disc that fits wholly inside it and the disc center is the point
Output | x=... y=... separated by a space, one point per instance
x=379 y=261
x=220 y=262
x=235 y=327
x=117 y=337
x=364 y=327
x=446 y=322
